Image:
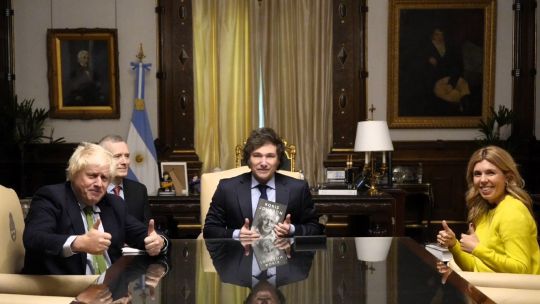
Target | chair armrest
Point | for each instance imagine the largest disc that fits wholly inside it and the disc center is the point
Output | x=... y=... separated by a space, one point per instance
x=32 y=299
x=511 y=295
x=502 y=280
x=51 y=285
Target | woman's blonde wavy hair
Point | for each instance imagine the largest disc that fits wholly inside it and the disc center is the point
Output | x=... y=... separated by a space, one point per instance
x=514 y=183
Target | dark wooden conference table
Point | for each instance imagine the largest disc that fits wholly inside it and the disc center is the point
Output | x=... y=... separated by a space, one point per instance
x=314 y=270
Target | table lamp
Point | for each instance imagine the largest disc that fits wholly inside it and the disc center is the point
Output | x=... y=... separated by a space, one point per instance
x=373 y=136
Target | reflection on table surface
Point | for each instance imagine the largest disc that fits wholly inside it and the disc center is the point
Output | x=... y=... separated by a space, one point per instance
x=312 y=270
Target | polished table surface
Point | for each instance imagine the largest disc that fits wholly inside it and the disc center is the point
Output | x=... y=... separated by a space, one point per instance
x=311 y=270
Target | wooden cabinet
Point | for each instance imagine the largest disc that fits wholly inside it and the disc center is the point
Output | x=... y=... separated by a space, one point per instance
x=178 y=216
x=360 y=215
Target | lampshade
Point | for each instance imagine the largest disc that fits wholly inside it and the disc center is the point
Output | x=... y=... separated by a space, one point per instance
x=372 y=135
x=372 y=249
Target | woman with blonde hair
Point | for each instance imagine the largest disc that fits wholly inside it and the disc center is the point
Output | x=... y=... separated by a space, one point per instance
x=502 y=234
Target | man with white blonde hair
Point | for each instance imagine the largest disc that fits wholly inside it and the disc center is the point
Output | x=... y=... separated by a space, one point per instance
x=76 y=227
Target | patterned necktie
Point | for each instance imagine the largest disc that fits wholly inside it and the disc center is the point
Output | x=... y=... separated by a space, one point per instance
x=262 y=189
x=98 y=261
x=117 y=190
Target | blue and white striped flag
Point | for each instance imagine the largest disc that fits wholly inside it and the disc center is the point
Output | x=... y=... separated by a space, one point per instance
x=143 y=159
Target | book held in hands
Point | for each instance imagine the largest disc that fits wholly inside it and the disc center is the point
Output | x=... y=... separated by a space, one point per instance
x=267 y=215
x=267 y=254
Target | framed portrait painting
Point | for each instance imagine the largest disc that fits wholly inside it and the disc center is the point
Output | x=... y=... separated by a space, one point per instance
x=83 y=73
x=440 y=63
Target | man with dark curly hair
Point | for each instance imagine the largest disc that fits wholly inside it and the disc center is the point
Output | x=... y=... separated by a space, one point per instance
x=235 y=200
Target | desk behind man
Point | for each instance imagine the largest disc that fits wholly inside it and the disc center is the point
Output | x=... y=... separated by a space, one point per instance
x=76 y=227
x=134 y=193
x=235 y=200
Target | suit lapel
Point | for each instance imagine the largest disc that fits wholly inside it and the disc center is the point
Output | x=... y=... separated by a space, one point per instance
x=282 y=191
x=244 y=196
x=73 y=210
x=127 y=191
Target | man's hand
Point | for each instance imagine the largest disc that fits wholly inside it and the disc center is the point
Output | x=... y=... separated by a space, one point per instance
x=469 y=241
x=446 y=237
x=247 y=236
x=283 y=244
x=154 y=242
x=246 y=233
x=282 y=229
x=94 y=241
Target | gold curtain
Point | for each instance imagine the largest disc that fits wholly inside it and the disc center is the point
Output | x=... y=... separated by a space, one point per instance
x=225 y=79
x=296 y=51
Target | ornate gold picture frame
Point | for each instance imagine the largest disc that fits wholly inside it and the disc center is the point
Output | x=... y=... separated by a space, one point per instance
x=83 y=73
x=441 y=56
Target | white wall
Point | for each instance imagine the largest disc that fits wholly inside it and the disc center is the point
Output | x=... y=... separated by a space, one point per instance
x=136 y=22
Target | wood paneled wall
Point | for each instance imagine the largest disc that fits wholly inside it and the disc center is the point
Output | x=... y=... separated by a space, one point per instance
x=443 y=161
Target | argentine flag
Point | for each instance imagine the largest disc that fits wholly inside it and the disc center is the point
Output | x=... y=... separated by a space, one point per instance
x=143 y=157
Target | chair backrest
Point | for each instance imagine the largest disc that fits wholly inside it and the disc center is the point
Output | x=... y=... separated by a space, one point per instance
x=289 y=163
x=11 y=232
x=209 y=182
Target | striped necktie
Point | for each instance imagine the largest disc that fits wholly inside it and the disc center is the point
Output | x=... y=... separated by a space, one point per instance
x=98 y=261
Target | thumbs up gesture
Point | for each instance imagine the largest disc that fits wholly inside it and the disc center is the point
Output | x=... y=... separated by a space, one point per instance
x=154 y=242
x=94 y=241
x=446 y=237
x=282 y=229
x=246 y=233
x=469 y=241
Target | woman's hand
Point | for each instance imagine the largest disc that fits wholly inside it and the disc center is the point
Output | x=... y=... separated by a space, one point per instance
x=469 y=241
x=446 y=237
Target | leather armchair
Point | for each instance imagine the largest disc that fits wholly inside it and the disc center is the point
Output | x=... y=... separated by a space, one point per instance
x=503 y=287
x=12 y=259
x=209 y=182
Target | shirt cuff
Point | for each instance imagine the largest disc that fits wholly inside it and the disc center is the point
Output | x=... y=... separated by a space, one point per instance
x=66 y=249
x=236 y=234
x=292 y=230
x=165 y=244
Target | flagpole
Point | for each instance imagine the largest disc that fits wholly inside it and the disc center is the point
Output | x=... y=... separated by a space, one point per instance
x=143 y=156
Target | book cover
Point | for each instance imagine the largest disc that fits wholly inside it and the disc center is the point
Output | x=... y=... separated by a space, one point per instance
x=267 y=254
x=267 y=215
x=440 y=252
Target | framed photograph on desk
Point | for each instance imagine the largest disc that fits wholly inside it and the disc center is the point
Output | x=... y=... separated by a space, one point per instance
x=177 y=171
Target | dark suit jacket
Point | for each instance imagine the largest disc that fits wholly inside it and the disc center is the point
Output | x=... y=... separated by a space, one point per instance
x=231 y=204
x=136 y=197
x=234 y=267
x=54 y=215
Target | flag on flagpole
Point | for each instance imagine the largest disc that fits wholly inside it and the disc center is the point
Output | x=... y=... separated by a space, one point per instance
x=143 y=157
